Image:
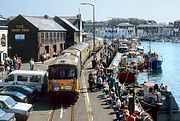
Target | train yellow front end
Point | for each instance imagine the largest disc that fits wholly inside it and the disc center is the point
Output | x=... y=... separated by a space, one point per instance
x=64 y=76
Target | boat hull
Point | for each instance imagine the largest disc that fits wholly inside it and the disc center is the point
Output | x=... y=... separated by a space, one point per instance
x=156 y=64
x=126 y=77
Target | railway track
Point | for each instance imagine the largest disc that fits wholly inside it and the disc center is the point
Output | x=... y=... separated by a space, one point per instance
x=60 y=107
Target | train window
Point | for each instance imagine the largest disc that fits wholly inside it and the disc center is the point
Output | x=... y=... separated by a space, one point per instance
x=71 y=73
x=62 y=73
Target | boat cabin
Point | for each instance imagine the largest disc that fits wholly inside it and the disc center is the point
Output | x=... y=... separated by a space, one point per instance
x=151 y=94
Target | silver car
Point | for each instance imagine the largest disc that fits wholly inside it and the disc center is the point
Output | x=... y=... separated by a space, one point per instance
x=21 y=110
x=7 y=116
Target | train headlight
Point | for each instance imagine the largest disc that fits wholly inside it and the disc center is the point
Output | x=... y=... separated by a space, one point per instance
x=62 y=87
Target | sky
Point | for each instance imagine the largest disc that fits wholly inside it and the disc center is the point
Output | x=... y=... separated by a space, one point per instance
x=158 y=10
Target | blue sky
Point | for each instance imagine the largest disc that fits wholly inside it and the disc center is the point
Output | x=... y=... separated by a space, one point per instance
x=158 y=10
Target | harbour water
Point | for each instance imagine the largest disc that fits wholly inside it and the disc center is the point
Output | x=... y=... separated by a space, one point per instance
x=170 y=73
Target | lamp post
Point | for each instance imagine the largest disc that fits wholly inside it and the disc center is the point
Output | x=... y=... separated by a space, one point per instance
x=93 y=6
x=111 y=25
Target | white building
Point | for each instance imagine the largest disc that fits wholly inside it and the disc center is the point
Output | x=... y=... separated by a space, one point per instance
x=155 y=30
x=122 y=30
x=3 y=42
x=126 y=30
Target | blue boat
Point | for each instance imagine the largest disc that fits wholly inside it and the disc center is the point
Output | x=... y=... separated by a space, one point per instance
x=153 y=60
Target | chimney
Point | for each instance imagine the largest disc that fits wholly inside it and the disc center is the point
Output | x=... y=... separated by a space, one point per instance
x=46 y=16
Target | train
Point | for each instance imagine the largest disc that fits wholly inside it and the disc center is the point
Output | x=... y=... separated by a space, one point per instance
x=64 y=72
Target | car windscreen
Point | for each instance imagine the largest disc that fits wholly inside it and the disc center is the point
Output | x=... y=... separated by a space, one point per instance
x=20 y=95
x=9 y=78
x=10 y=102
x=27 y=88
x=2 y=113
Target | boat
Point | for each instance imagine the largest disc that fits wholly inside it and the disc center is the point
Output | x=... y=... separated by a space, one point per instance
x=153 y=60
x=160 y=104
x=127 y=75
x=132 y=58
x=123 y=48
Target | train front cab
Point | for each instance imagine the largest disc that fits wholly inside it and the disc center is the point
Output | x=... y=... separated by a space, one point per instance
x=63 y=82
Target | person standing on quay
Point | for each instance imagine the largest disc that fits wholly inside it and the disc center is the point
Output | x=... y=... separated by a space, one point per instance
x=31 y=64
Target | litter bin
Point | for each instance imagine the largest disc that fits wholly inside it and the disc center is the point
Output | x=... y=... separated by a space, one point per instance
x=93 y=63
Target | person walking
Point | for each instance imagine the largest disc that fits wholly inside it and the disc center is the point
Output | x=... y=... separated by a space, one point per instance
x=99 y=83
x=90 y=81
x=31 y=64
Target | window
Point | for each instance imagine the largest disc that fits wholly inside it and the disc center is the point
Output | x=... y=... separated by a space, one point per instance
x=51 y=37
x=46 y=38
x=22 y=78
x=9 y=78
x=3 y=40
x=61 y=37
x=62 y=73
x=19 y=37
x=35 y=78
x=58 y=36
x=71 y=73
x=55 y=38
x=42 y=37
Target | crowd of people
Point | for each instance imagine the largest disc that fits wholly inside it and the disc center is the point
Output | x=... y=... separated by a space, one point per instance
x=108 y=84
x=12 y=63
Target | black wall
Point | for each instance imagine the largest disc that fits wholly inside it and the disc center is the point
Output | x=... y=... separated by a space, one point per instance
x=27 y=48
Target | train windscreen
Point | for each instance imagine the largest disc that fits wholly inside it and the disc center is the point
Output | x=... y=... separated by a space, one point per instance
x=62 y=73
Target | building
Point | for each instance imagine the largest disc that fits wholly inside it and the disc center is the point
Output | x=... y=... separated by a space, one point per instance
x=3 y=43
x=3 y=38
x=77 y=22
x=177 y=27
x=72 y=34
x=126 y=30
x=29 y=36
x=155 y=30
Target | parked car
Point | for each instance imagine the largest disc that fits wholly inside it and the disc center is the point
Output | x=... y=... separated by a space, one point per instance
x=21 y=110
x=7 y=116
x=34 y=79
x=17 y=96
x=31 y=94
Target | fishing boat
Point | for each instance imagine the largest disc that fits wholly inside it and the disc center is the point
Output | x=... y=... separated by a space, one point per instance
x=153 y=60
x=127 y=75
x=159 y=103
x=123 y=48
x=132 y=59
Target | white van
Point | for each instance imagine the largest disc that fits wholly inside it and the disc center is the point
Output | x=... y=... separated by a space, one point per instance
x=34 y=79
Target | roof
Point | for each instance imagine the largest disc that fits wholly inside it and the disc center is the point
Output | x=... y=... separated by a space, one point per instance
x=80 y=46
x=69 y=24
x=72 y=51
x=66 y=59
x=4 y=27
x=150 y=25
x=149 y=84
x=72 y=19
x=4 y=97
x=125 y=24
x=44 y=23
x=14 y=93
x=4 y=22
x=28 y=72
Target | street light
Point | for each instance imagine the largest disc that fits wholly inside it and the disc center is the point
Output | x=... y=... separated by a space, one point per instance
x=93 y=6
x=111 y=25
